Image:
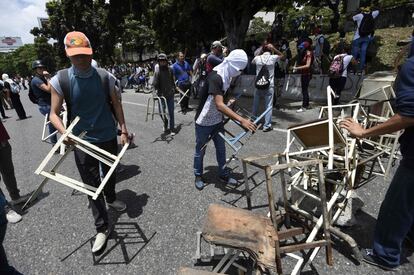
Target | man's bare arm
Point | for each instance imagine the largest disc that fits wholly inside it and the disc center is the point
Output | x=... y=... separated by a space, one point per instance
x=57 y=101
x=395 y=123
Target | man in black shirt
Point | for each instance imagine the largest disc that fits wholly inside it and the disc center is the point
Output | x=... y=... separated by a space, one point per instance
x=396 y=216
x=41 y=89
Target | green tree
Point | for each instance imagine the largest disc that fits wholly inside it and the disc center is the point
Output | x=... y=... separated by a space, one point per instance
x=137 y=35
x=87 y=16
x=45 y=52
x=235 y=16
x=19 y=61
x=181 y=25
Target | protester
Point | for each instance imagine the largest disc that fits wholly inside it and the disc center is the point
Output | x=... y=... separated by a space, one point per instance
x=396 y=216
x=209 y=119
x=365 y=28
x=338 y=72
x=9 y=178
x=41 y=89
x=303 y=65
x=82 y=88
x=321 y=50
x=215 y=57
x=2 y=112
x=164 y=85
x=265 y=67
x=13 y=89
x=182 y=73
x=340 y=46
x=199 y=73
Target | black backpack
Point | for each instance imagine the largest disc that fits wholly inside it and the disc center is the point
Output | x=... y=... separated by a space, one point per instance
x=33 y=98
x=367 y=25
x=262 y=80
x=326 y=49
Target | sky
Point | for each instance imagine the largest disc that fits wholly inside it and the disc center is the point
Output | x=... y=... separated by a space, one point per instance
x=18 y=17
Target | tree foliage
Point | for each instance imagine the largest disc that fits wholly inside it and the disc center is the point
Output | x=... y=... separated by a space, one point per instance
x=19 y=61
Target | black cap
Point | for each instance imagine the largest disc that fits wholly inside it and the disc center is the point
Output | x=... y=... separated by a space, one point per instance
x=37 y=64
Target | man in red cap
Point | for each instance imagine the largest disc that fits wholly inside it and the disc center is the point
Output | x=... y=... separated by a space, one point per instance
x=89 y=93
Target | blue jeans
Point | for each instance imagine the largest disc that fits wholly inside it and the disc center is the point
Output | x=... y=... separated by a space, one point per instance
x=359 y=50
x=395 y=218
x=45 y=109
x=268 y=98
x=170 y=106
x=202 y=135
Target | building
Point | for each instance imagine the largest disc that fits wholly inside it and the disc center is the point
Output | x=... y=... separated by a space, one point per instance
x=9 y=43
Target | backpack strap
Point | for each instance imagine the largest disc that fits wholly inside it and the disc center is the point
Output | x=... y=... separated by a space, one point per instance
x=63 y=76
x=104 y=76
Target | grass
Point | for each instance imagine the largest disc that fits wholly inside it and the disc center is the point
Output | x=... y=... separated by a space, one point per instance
x=387 y=50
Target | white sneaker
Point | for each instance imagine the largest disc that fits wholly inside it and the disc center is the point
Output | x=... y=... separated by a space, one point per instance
x=299 y=110
x=100 y=241
x=172 y=132
x=12 y=216
x=118 y=205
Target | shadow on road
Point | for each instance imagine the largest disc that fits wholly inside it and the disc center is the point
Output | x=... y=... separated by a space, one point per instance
x=124 y=172
x=127 y=239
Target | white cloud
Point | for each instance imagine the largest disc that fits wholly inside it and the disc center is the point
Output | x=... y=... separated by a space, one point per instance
x=18 y=17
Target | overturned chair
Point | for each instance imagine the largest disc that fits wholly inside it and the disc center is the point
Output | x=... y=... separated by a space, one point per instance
x=101 y=155
x=267 y=239
x=161 y=101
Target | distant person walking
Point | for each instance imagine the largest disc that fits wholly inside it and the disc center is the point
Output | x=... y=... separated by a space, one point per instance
x=182 y=73
x=363 y=33
x=14 y=89
x=41 y=89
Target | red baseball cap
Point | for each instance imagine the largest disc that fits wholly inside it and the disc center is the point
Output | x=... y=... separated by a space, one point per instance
x=77 y=43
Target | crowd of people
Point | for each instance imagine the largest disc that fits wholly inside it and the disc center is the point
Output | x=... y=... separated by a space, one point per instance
x=210 y=78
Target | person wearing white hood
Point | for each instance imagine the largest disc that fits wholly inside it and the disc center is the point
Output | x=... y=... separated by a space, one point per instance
x=14 y=90
x=209 y=119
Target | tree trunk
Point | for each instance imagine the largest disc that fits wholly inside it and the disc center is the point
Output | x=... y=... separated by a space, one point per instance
x=334 y=6
x=235 y=26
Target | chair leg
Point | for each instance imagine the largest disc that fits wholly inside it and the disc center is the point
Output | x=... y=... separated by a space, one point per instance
x=326 y=222
x=246 y=186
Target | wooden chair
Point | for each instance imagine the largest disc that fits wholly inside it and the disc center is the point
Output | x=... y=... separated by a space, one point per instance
x=261 y=236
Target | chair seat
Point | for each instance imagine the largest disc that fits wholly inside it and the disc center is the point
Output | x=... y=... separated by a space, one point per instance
x=190 y=271
x=244 y=230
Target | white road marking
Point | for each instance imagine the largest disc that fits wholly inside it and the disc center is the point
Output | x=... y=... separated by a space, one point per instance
x=133 y=103
x=280 y=130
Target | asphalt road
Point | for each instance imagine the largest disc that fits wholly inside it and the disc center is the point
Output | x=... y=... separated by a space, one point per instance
x=157 y=234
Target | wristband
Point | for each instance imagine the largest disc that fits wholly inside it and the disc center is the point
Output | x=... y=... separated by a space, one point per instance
x=124 y=133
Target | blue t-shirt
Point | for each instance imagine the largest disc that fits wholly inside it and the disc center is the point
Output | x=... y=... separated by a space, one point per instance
x=91 y=104
x=44 y=98
x=181 y=71
x=405 y=107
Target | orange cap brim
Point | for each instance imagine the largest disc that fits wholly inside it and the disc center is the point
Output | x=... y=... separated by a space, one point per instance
x=77 y=51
